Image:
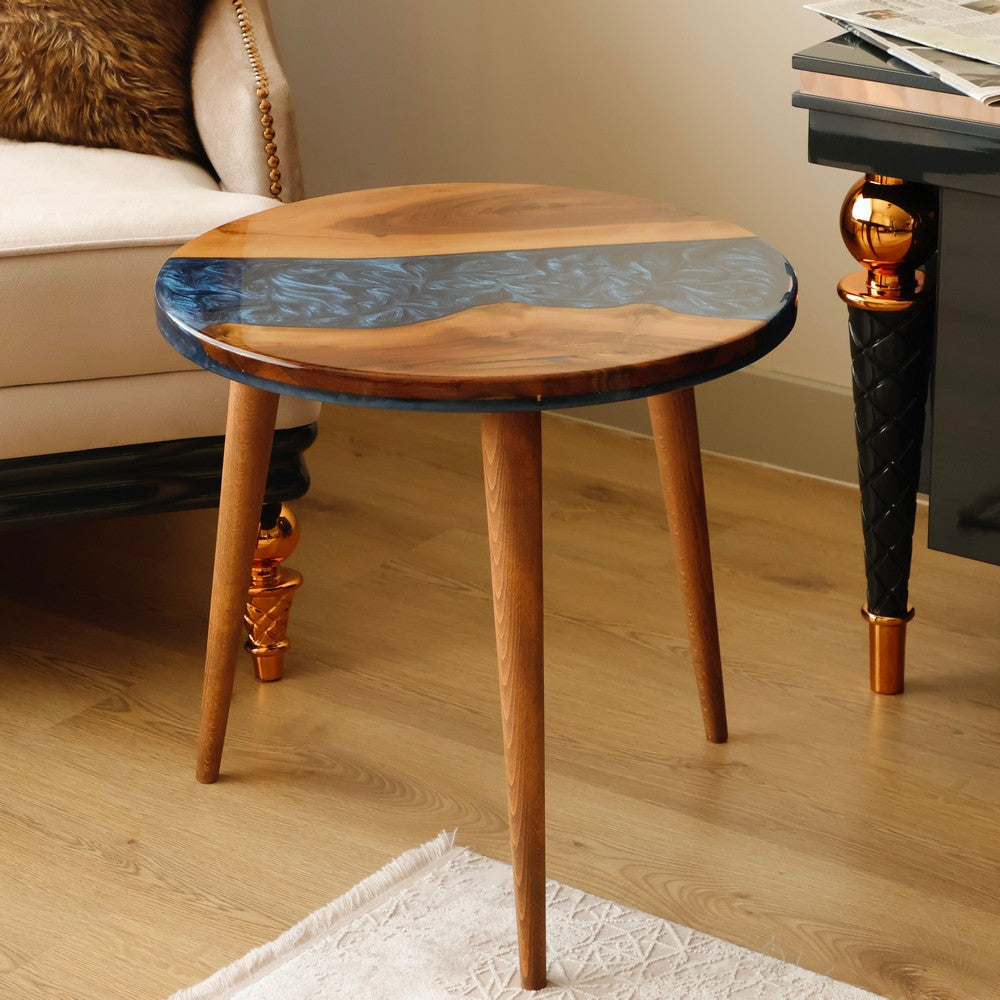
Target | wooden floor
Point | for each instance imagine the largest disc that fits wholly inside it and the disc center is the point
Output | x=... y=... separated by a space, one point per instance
x=851 y=834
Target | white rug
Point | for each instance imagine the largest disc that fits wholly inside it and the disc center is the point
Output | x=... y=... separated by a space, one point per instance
x=438 y=924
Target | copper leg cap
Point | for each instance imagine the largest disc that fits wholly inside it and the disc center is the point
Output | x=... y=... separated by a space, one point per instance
x=886 y=651
x=268 y=665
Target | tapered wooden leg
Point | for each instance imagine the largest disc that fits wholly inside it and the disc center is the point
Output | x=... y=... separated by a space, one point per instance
x=675 y=430
x=512 y=467
x=249 y=433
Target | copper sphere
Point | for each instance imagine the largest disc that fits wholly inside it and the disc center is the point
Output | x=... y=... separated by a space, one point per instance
x=887 y=223
x=278 y=541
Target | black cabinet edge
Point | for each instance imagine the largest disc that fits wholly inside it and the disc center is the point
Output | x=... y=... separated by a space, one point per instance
x=914 y=119
x=851 y=57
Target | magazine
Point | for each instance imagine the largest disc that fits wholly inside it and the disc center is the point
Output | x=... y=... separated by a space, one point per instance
x=957 y=42
x=980 y=80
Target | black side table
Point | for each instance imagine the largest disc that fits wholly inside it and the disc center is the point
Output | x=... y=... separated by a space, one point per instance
x=925 y=224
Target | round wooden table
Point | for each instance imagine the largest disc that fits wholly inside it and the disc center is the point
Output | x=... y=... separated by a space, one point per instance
x=501 y=299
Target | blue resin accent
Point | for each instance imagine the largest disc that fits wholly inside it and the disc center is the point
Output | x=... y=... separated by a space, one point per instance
x=733 y=278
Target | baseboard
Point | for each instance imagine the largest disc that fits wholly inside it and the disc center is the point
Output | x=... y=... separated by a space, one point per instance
x=763 y=417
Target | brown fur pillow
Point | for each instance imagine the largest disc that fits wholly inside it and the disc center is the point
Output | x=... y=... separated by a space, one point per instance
x=99 y=73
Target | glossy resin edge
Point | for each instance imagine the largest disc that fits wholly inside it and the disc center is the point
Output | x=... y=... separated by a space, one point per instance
x=768 y=336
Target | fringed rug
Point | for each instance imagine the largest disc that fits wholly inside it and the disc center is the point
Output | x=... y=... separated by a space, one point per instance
x=438 y=924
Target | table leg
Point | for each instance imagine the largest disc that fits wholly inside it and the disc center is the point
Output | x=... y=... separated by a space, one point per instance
x=512 y=468
x=249 y=433
x=272 y=588
x=890 y=226
x=675 y=431
x=889 y=361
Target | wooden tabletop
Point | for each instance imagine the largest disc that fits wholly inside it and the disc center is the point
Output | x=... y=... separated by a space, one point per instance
x=475 y=297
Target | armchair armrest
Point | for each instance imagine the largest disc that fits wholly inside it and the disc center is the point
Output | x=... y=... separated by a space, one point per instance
x=227 y=107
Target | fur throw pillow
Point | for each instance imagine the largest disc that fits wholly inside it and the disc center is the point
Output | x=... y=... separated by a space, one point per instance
x=99 y=73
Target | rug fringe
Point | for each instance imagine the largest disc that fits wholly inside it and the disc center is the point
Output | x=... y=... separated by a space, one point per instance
x=365 y=893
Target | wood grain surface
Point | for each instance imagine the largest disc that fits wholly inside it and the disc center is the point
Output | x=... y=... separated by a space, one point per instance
x=473 y=296
x=249 y=431
x=674 y=420
x=453 y=218
x=495 y=352
x=512 y=473
x=853 y=835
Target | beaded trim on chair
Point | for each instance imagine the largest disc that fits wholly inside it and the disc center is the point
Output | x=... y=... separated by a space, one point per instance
x=263 y=93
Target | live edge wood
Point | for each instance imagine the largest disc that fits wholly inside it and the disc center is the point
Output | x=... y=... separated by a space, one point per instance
x=497 y=351
x=675 y=431
x=512 y=471
x=250 y=428
x=416 y=220
x=475 y=296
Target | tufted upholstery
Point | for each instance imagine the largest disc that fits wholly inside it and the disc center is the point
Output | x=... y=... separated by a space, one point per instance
x=83 y=232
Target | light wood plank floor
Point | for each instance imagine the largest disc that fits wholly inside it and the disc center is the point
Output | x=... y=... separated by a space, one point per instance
x=851 y=834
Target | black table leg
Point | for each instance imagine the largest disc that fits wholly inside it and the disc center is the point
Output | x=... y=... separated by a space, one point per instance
x=890 y=226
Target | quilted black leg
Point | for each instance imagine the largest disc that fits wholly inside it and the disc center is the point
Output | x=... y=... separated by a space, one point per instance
x=890 y=226
x=890 y=355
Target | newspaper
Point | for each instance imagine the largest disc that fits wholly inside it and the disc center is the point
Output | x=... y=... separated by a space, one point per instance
x=976 y=79
x=958 y=41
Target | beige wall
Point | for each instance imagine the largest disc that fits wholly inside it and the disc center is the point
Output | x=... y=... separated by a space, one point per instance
x=688 y=102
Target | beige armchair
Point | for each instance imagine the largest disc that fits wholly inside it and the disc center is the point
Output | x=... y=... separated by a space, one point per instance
x=98 y=416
